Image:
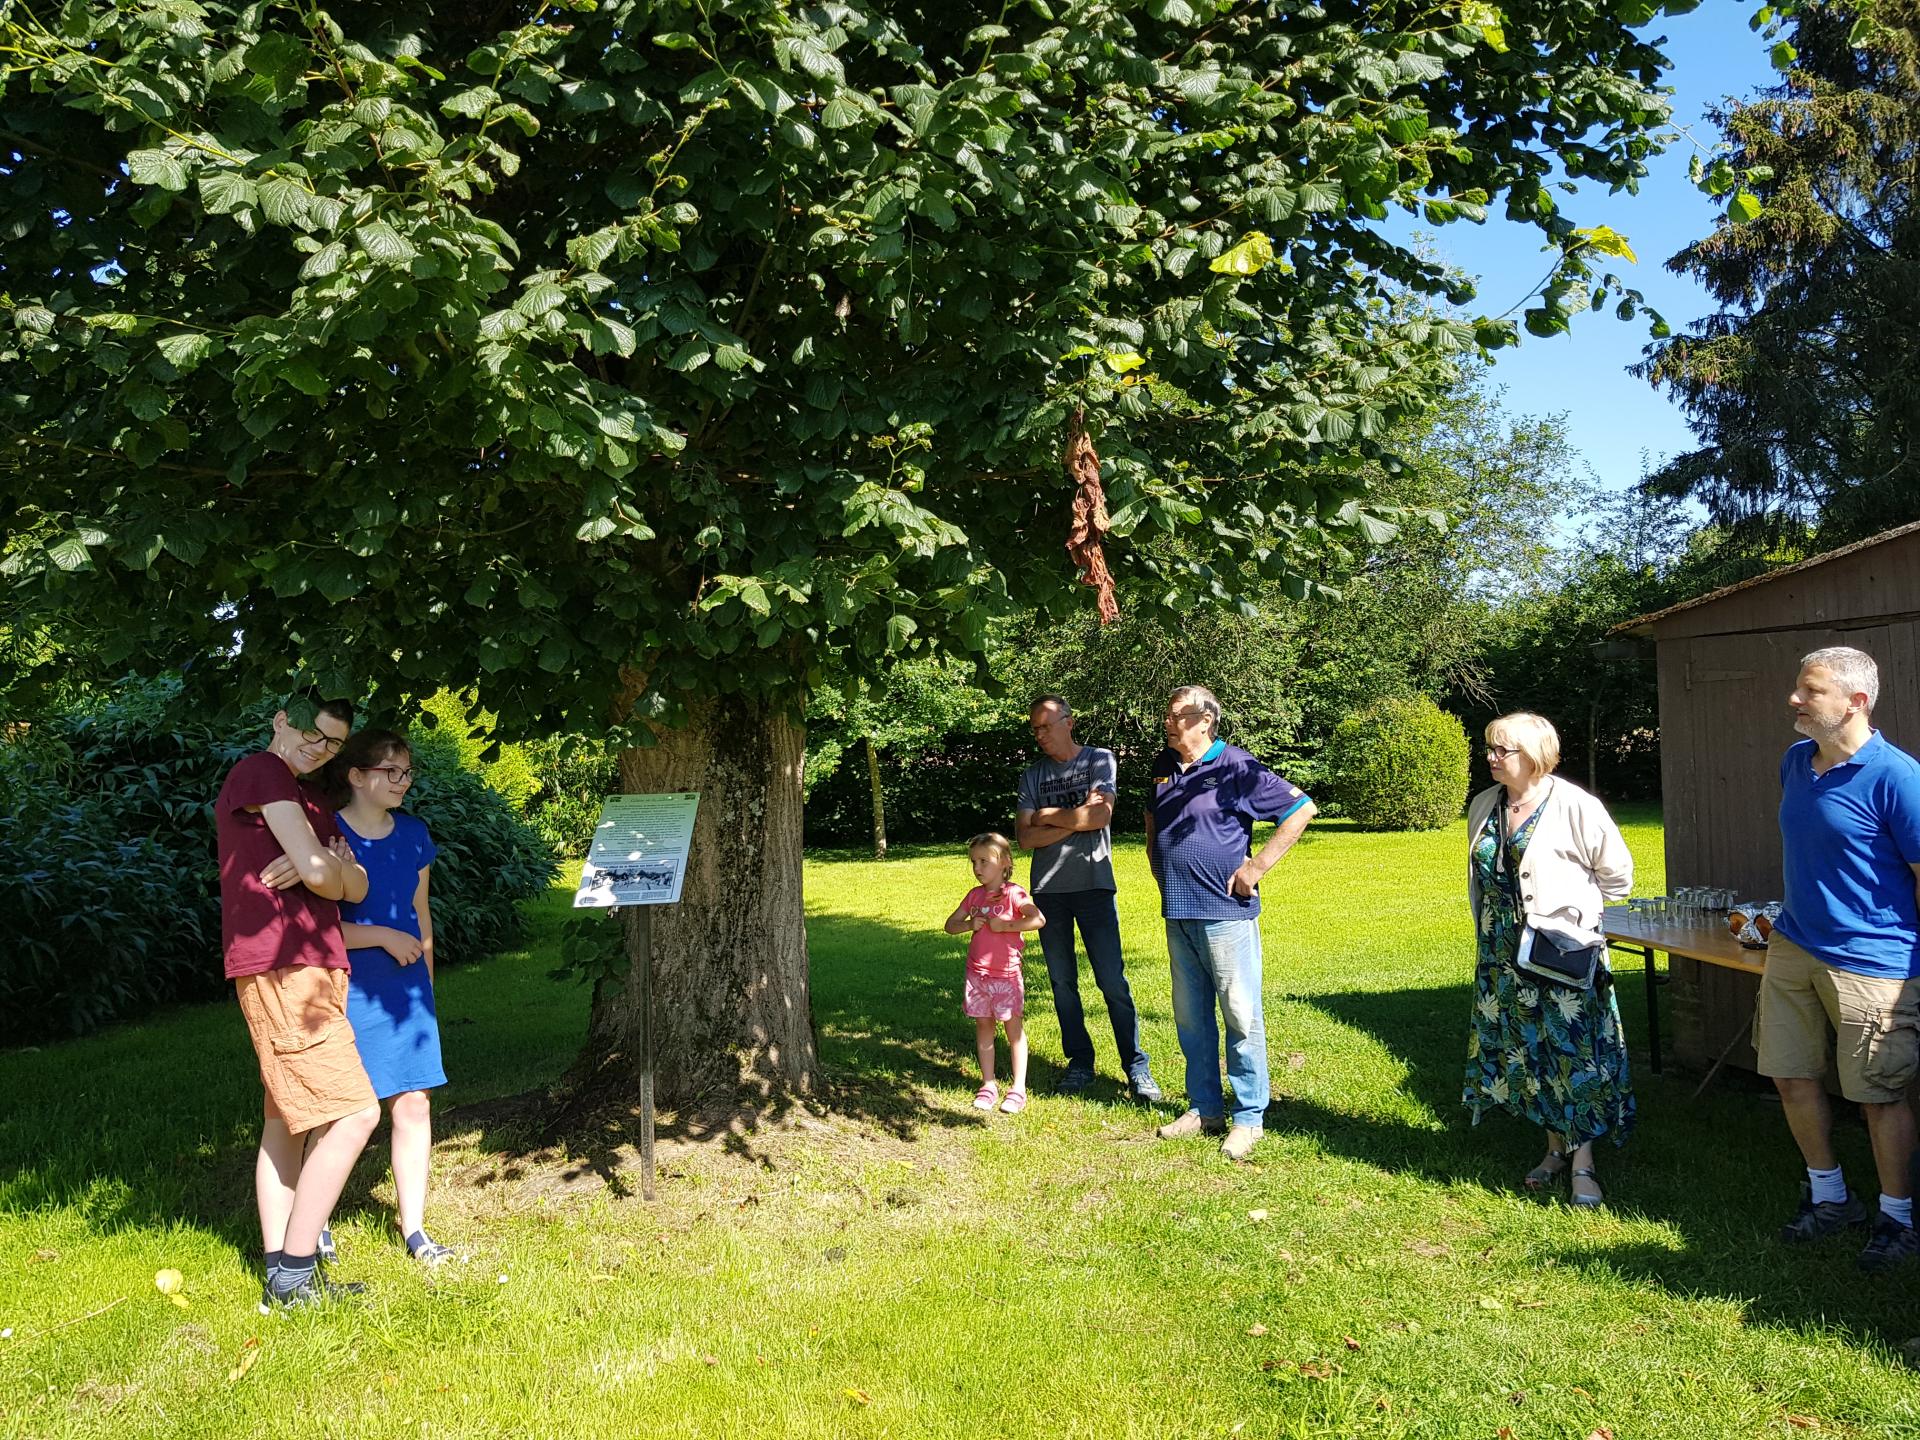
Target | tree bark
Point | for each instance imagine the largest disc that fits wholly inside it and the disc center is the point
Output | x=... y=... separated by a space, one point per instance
x=730 y=998
x=879 y=801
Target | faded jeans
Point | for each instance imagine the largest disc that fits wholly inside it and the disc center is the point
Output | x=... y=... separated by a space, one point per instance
x=1217 y=962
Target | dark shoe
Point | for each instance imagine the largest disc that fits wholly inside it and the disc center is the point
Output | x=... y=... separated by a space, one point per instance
x=1892 y=1243
x=1074 y=1082
x=1816 y=1222
x=1143 y=1090
x=1592 y=1201
x=325 y=1249
x=311 y=1293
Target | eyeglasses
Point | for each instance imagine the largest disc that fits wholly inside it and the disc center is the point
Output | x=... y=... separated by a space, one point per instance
x=395 y=774
x=322 y=740
x=1501 y=752
x=1186 y=715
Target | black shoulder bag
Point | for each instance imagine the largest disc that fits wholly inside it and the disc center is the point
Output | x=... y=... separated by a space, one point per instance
x=1542 y=954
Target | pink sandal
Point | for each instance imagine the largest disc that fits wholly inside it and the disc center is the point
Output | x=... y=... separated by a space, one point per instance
x=985 y=1096
x=1015 y=1102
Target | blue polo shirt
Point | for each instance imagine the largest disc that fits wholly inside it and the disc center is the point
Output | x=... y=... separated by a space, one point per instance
x=1851 y=837
x=1203 y=819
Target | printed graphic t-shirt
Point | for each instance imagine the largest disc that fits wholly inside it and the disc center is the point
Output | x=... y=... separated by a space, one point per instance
x=996 y=952
x=1084 y=860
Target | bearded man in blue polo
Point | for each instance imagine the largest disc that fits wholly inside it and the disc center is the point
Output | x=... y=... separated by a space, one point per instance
x=1207 y=796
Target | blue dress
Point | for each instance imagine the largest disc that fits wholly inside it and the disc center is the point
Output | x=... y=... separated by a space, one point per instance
x=390 y=1005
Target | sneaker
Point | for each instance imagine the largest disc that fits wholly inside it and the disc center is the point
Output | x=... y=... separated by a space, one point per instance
x=310 y=1294
x=1144 y=1091
x=326 y=1251
x=1073 y=1082
x=1240 y=1142
x=1829 y=1217
x=433 y=1255
x=1892 y=1242
x=1192 y=1123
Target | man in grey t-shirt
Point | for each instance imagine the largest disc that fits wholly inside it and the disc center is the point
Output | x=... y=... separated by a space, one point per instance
x=1066 y=810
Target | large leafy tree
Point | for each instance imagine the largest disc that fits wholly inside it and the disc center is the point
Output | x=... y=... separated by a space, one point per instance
x=624 y=358
x=1804 y=387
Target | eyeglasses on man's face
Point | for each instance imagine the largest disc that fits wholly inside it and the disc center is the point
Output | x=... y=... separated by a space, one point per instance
x=320 y=740
x=1186 y=717
x=1503 y=752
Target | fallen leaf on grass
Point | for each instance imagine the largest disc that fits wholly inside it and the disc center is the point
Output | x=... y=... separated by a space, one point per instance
x=1350 y=1342
x=1318 y=1369
x=1296 y=1060
x=1518 y=1397
x=709 y=1360
x=168 y=1282
x=1505 y=1432
x=1530 y=1305
x=1583 y=1394
x=1256 y=1328
x=43 y=1257
x=249 y=1353
x=1256 y=1216
x=859 y=1397
x=1803 y=1422
x=1487 y=1302
x=1600 y=1432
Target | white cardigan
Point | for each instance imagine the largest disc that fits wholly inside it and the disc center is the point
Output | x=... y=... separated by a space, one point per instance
x=1576 y=860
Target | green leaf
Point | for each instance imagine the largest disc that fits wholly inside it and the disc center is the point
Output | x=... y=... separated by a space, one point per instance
x=1252 y=255
x=324 y=261
x=899 y=629
x=610 y=336
x=384 y=244
x=1608 y=242
x=157 y=167
x=676 y=40
x=1783 y=55
x=1744 y=207
x=185 y=352
x=224 y=191
x=471 y=103
x=539 y=298
x=283 y=200
x=70 y=554
x=304 y=376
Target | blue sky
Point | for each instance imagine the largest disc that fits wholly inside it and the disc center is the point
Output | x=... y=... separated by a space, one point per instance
x=1613 y=418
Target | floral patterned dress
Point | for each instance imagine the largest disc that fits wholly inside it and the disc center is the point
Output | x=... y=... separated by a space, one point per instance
x=1544 y=1052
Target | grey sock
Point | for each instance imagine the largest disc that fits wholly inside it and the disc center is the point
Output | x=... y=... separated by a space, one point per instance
x=295 y=1272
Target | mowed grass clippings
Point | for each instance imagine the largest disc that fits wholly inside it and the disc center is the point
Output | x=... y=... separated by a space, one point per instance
x=887 y=1262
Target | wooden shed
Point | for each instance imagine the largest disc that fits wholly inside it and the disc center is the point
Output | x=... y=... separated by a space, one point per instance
x=1727 y=663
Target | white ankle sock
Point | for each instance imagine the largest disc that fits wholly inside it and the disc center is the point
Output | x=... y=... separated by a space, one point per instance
x=1901 y=1210
x=1829 y=1186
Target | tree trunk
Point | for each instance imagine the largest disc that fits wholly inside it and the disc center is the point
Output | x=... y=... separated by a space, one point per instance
x=879 y=801
x=730 y=1001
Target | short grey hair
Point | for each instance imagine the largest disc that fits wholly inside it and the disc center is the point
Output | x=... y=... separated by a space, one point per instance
x=1854 y=669
x=1206 y=700
x=1050 y=699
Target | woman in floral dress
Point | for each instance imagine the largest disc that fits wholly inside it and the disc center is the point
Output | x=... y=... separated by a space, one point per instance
x=1543 y=1051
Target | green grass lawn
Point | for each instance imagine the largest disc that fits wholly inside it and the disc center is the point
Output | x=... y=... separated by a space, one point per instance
x=892 y=1264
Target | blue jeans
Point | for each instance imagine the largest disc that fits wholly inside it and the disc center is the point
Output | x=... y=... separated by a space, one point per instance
x=1099 y=925
x=1218 y=962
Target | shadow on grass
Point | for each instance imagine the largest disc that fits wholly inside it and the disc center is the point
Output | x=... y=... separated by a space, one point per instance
x=1719 y=1170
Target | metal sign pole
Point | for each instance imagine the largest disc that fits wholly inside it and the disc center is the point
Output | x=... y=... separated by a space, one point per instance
x=643 y=981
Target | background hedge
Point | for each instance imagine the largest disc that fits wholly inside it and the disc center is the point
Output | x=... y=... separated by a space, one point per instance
x=1399 y=764
x=109 y=879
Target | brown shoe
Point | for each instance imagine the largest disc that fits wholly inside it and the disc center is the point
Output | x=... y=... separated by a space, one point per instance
x=1240 y=1142
x=1191 y=1123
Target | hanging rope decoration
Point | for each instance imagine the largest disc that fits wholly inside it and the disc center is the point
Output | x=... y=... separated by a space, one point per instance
x=1090 y=523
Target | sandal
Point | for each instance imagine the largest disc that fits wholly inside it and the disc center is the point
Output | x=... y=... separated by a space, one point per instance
x=1588 y=1202
x=986 y=1096
x=1543 y=1176
x=1015 y=1102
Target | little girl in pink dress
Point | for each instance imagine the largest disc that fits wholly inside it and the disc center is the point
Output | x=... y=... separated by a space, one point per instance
x=996 y=912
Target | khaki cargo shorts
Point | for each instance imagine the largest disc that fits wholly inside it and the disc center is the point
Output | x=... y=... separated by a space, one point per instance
x=1808 y=1010
x=297 y=1017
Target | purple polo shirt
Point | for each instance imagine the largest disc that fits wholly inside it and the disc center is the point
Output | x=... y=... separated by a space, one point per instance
x=1203 y=819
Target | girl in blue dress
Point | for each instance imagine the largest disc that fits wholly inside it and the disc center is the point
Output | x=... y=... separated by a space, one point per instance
x=389 y=937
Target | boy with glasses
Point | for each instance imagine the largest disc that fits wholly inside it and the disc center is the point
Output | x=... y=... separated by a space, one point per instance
x=284 y=868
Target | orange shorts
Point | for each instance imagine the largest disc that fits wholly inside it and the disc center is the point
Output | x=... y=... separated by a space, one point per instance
x=297 y=1016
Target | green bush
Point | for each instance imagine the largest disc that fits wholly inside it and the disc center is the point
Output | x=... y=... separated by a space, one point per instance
x=109 y=878
x=1400 y=764
x=572 y=775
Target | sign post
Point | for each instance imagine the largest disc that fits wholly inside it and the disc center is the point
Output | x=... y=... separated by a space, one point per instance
x=639 y=858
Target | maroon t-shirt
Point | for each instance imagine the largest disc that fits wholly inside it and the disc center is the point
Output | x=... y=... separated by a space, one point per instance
x=262 y=928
